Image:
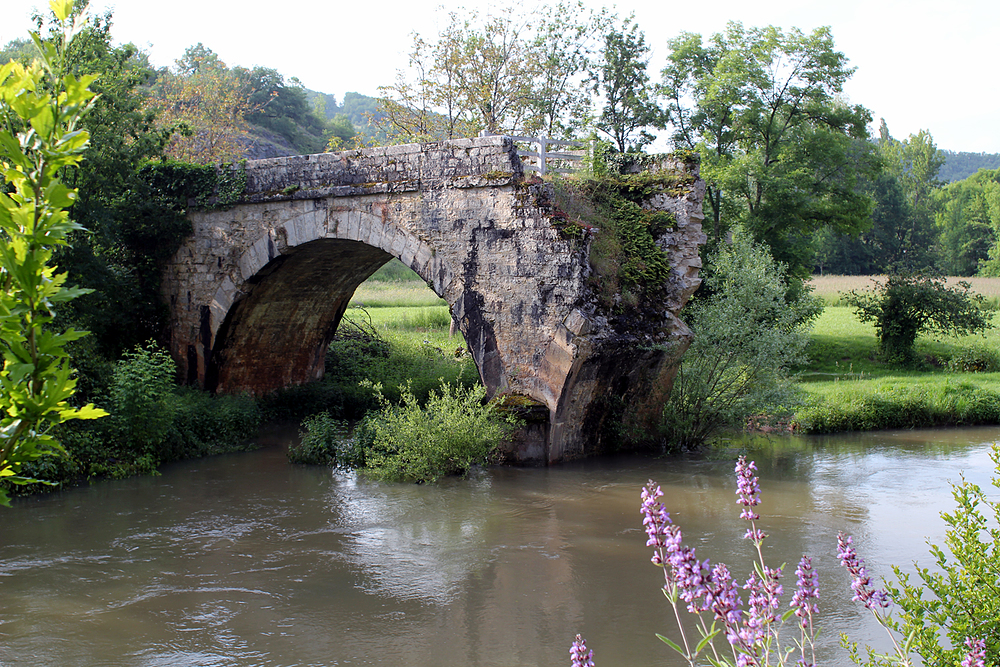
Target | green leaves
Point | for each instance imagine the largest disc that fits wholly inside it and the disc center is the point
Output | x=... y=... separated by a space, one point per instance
x=959 y=597
x=782 y=154
x=905 y=305
x=39 y=111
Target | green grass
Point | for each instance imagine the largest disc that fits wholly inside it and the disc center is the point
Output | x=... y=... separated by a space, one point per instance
x=395 y=295
x=847 y=387
x=841 y=347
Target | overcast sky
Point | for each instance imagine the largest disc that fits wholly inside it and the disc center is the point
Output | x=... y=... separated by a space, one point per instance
x=921 y=64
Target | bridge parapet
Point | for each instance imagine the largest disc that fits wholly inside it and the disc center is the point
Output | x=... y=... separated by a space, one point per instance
x=461 y=163
x=258 y=290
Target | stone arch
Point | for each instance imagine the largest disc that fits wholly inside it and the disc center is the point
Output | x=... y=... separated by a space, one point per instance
x=273 y=318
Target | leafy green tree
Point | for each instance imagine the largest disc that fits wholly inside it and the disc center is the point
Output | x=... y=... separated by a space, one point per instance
x=342 y=133
x=907 y=305
x=902 y=236
x=40 y=137
x=283 y=108
x=968 y=221
x=622 y=81
x=782 y=154
x=566 y=47
x=131 y=227
x=746 y=340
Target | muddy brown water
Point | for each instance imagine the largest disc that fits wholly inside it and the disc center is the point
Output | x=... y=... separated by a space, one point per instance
x=246 y=560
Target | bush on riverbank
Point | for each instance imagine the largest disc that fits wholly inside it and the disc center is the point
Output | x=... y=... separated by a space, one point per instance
x=450 y=433
x=410 y=441
x=152 y=421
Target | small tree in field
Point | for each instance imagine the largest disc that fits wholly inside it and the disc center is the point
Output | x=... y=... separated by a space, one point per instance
x=905 y=306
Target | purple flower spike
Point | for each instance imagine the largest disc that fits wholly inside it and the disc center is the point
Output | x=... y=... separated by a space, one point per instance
x=579 y=654
x=976 y=656
x=748 y=488
x=657 y=523
x=724 y=598
x=860 y=581
x=805 y=592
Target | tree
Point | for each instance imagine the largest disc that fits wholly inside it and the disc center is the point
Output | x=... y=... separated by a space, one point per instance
x=565 y=46
x=746 y=339
x=968 y=221
x=908 y=305
x=498 y=73
x=40 y=137
x=782 y=154
x=129 y=226
x=623 y=82
x=282 y=107
x=210 y=102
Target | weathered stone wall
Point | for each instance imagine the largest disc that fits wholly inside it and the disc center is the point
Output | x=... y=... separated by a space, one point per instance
x=257 y=291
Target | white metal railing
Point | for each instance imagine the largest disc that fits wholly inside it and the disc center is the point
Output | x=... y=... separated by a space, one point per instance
x=566 y=162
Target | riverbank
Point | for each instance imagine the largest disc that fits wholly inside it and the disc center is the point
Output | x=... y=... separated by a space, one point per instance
x=847 y=387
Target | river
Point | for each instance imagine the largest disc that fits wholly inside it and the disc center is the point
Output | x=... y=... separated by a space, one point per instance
x=243 y=559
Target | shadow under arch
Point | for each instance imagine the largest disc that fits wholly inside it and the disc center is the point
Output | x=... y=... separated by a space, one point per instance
x=273 y=330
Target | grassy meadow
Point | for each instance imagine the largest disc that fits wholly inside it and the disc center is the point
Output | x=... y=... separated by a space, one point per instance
x=847 y=387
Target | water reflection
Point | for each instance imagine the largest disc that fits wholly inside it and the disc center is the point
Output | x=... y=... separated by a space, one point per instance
x=245 y=560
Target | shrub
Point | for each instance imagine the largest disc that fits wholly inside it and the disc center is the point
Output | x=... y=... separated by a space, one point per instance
x=447 y=436
x=326 y=441
x=905 y=306
x=204 y=424
x=746 y=337
x=975 y=359
x=141 y=414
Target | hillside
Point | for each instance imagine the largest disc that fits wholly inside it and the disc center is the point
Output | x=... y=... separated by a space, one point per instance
x=962 y=165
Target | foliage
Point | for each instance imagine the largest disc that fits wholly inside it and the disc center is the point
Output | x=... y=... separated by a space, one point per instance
x=326 y=441
x=40 y=138
x=872 y=405
x=204 y=424
x=139 y=393
x=210 y=103
x=968 y=217
x=746 y=339
x=448 y=435
x=902 y=236
x=959 y=165
x=498 y=73
x=629 y=268
x=283 y=108
x=622 y=81
x=904 y=306
x=782 y=154
x=975 y=359
x=958 y=598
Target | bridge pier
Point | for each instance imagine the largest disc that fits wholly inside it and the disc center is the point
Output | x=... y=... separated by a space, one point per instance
x=256 y=293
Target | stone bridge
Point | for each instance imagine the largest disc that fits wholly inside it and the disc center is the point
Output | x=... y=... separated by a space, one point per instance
x=256 y=293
